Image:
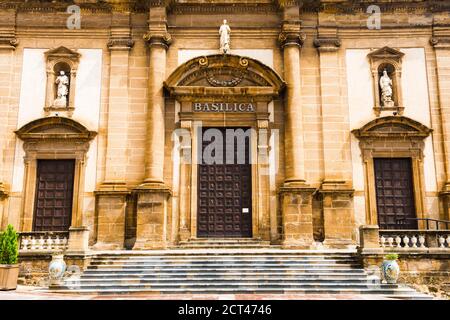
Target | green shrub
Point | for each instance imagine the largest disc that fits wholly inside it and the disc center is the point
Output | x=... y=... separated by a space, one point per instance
x=391 y=256
x=8 y=246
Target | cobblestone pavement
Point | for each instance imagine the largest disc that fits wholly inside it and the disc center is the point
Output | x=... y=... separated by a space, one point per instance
x=33 y=293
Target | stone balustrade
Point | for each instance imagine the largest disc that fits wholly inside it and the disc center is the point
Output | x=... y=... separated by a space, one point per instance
x=414 y=239
x=43 y=241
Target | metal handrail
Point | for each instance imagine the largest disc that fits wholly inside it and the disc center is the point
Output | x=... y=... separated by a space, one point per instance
x=427 y=220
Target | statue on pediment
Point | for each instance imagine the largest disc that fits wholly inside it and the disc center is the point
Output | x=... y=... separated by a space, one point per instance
x=225 y=32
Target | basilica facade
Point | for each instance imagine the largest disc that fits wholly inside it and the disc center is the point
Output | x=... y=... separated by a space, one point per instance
x=112 y=110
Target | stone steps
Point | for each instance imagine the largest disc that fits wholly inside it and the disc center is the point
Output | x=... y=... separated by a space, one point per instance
x=231 y=272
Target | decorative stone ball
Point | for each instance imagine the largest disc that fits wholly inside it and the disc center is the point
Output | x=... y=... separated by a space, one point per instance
x=57 y=267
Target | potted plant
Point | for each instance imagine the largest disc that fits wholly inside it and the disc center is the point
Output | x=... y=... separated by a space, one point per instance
x=390 y=269
x=9 y=269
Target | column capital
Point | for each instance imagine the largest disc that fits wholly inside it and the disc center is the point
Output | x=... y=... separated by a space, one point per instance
x=163 y=39
x=287 y=38
x=8 y=43
x=440 y=42
x=120 y=44
x=327 y=44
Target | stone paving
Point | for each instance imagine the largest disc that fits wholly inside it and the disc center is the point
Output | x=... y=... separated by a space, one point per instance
x=35 y=293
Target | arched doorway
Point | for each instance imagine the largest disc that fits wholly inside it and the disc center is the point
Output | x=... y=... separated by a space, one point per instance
x=229 y=101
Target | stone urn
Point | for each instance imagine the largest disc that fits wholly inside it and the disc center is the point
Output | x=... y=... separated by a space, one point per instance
x=390 y=269
x=56 y=270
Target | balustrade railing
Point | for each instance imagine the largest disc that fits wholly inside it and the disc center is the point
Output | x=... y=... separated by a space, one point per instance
x=43 y=241
x=415 y=239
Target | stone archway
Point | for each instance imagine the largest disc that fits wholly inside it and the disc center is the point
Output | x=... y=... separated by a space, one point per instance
x=225 y=91
x=393 y=137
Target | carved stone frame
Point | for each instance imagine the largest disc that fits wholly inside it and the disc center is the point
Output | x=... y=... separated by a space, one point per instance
x=183 y=87
x=393 y=57
x=53 y=138
x=72 y=59
x=393 y=137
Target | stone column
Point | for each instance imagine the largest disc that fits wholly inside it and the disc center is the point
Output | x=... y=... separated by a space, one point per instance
x=336 y=189
x=185 y=182
x=8 y=43
x=263 y=178
x=153 y=194
x=295 y=195
x=441 y=45
x=112 y=193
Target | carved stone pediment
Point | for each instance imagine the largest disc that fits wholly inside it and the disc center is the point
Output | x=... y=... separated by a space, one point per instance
x=55 y=128
x=62 y=53
x=394 y=127
x=386 y=53
x=223 y=71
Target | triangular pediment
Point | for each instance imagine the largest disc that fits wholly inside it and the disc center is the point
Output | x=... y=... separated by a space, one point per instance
x=386 y=53
x=62 y=52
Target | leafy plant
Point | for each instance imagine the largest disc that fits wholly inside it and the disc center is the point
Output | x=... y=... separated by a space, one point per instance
x=391 y=256
x=9 y=246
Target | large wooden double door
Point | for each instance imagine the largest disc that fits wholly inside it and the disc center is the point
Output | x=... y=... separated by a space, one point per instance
x=225 y=190
x=395 y=193
x=54 y=195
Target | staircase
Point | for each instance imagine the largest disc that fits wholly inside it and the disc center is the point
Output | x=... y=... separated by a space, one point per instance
x=230 y=271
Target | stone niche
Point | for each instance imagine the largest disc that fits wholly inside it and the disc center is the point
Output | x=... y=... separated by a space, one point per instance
x=61 y=60
x=389 y=60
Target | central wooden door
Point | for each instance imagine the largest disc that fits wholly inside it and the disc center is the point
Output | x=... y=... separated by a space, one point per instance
x=54 y=195
x=395 y=195
x=225 y=193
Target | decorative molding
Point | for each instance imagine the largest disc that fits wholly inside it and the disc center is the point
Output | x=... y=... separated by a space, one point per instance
x=327 y=44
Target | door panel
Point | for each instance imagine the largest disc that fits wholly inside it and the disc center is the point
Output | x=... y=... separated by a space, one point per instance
x=224 y=194
x=394 y=191
x=54 y=195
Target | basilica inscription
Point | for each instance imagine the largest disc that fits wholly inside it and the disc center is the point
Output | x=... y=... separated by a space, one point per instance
x=224 y=107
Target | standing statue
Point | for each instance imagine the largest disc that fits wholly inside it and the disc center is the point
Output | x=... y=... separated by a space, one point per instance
x=63 y=89
x=225 y=32
x=386 y=90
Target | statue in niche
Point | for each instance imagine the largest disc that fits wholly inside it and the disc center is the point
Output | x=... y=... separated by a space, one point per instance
x=225 y=32
x=63 y=89
x=386 y=90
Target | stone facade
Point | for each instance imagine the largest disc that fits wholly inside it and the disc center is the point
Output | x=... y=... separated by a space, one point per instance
x=140 y=67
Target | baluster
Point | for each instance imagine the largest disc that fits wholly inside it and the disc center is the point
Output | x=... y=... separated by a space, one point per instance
x=64 y=243
x=406 y=241
x=422 y=241
x=414 y=241
x=441 y=241
x=57 y=243
x=448 y=241
x=398 y=240
x=390 y=241
x=49 y=243
x=41 y=243
x=24 y=243
x=33 y=243
x=383 y=241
